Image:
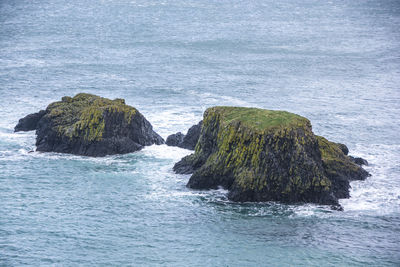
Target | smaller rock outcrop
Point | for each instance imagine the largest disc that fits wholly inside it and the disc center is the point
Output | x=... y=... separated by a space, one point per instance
x=90 y=125
x=175 y=139
x=187 y=141
x=29 y=122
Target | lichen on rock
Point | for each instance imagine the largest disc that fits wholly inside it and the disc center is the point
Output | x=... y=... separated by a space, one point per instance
x=83 y=115
x=90 y=125
x=264 y=155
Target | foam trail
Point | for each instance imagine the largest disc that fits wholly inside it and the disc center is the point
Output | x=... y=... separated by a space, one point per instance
x=379 y=193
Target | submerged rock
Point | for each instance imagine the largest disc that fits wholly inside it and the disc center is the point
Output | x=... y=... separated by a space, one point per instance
x=187 y=141
x=264 y=155
x=90 y=125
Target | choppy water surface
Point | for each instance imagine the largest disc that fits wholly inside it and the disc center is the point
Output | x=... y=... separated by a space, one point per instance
x=335 y=62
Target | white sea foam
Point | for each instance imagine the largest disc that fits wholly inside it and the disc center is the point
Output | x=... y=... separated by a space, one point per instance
x=380 y=193
x=165 y=152
x=172 y=119
x=15 y=137
x=212 y=99
x=20 y=140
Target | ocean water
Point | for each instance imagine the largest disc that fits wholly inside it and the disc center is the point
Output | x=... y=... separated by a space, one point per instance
x=334 y=62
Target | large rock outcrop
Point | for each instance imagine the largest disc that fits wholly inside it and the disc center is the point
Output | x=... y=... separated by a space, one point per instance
x=263 y=155
x=90 y=125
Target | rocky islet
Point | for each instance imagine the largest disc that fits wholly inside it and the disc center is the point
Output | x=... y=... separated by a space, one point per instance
x=90 y=125
x=257 y=154
x=264 y=155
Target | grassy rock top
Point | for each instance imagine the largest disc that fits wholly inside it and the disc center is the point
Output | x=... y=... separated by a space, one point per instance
x=90 y=125
x=258 y=119
x=265 y=155
x=82 y=115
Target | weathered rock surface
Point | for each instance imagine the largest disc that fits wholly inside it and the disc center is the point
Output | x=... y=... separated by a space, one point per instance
x=175 y=139
x=187 y=141
x=29 y=122
x=263 y=155
x=359 y=161
x=90 y=125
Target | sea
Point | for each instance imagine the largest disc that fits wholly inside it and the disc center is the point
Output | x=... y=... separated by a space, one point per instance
x=336 y=62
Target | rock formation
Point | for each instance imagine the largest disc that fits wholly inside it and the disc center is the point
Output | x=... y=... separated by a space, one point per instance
x=187 y=141
x=263 y=155
x=90 y=125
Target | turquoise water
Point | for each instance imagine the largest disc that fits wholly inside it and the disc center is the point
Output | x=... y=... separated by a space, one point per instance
x=335 y=62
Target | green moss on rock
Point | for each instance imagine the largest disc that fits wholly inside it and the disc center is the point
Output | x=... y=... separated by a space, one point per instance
x=90 y=125
x=262 y=155
x=258 y=119
x=83 y=115
x=339 y=167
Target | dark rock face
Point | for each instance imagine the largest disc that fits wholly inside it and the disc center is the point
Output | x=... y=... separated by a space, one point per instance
x=261 y=155
x=187 y=141
x=175 y=139
x=359 y=161
x=344 y=148
x=93 y=126
x=339 y=168
x=29 y=122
